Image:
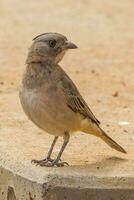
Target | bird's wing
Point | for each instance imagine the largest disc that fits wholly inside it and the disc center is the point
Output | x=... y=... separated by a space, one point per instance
x=75 y=101
x=77 y=104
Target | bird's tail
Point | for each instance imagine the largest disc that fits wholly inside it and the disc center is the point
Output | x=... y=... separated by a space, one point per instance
x=111 y=142
x=97 y=131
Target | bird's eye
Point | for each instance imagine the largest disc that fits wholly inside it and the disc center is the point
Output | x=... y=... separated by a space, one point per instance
x=52 y=43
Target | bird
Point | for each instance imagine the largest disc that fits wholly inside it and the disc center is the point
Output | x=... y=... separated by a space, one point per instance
x=51 y=100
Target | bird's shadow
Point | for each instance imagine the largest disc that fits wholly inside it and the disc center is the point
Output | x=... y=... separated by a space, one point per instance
x=104 y=165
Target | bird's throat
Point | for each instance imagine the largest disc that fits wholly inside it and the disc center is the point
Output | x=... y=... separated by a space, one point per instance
x=36 y=74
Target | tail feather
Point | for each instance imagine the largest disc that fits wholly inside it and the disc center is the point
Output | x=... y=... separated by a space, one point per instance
x=111 y=142
x=95 y=130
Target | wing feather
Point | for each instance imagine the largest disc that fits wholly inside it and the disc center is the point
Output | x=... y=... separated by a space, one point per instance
x=75 y=101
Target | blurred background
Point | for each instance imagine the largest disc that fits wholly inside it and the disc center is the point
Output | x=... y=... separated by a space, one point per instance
x=103 y=30
x=102 y=66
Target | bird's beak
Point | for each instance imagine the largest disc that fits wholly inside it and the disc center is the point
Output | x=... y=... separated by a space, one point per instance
x=69 y=45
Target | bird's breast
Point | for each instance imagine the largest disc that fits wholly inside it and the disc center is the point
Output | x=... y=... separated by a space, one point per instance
x=48 y=110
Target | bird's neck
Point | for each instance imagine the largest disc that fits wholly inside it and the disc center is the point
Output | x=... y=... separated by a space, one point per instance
x=37 y=73
x=36 y=57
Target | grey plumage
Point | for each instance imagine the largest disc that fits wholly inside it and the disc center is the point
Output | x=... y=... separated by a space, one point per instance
x=50 y=98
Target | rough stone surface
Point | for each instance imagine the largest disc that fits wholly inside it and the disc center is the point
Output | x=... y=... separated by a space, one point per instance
x=102 y=68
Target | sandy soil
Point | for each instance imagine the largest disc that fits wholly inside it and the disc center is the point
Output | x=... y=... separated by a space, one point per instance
x=102 y=68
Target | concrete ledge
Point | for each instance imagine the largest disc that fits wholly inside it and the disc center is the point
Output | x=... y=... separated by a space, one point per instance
x=13 y=187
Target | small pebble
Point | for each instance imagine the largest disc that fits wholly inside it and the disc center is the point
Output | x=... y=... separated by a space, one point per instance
x=1 y=83
x=107 y=125
x=98 y=100
x=116 y=94
x=93 y=71
x=77 y=71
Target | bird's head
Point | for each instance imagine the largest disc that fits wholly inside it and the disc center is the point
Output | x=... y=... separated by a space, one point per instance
x=49 y=46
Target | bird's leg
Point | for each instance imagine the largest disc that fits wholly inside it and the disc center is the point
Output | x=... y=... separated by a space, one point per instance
x=51 y=149
x=57 y=161
x=48 y=157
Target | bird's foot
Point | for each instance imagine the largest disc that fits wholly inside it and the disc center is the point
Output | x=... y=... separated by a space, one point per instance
x=57 y=164
x=48 y=162
x=43 y=161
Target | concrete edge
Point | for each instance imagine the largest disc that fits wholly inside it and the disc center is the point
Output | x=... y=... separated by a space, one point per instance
x=13 y=184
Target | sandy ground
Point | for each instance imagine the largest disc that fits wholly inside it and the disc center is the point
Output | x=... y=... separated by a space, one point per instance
x=102 y=68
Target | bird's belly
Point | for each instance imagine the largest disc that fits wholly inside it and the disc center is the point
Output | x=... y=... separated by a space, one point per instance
x=49 y=114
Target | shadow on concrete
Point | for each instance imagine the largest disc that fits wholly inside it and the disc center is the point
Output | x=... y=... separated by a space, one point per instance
x=105 y=165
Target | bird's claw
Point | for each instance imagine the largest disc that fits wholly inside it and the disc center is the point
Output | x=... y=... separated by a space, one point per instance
x=42 y=162
x=61 y=164
x=49 y=163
